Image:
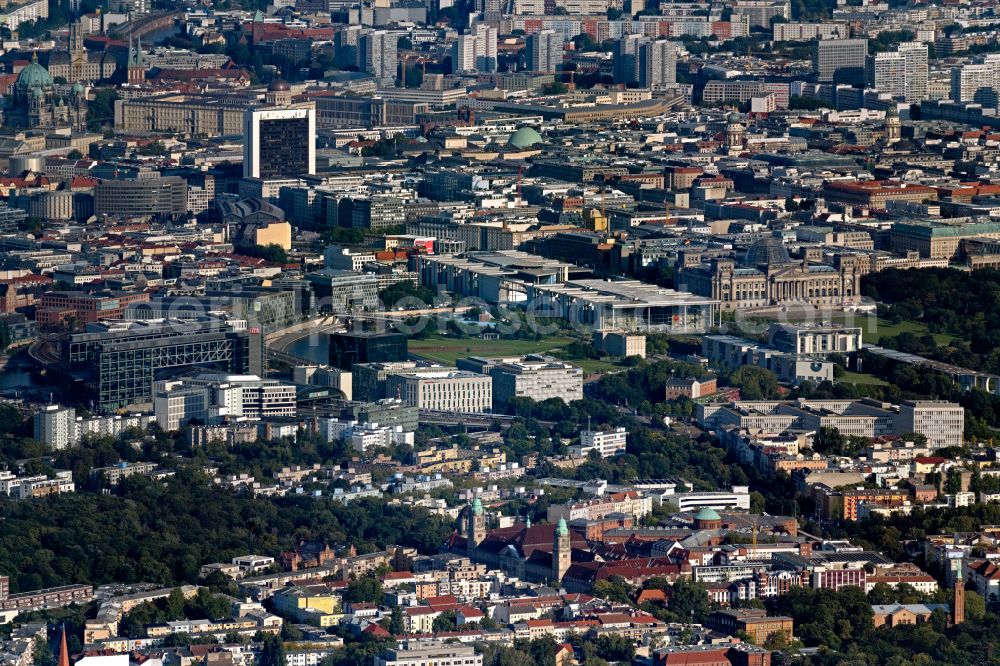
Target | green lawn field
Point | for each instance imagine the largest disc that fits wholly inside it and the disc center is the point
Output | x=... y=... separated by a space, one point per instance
x=447 y=350
x=861 y=378
x=873 y=328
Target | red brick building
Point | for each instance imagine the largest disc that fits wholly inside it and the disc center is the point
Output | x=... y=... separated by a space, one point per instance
x=738 y=654
x=57 y=307
x=690 y=387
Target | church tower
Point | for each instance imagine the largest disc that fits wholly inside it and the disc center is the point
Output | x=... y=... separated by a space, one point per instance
x=561 y=551
x=735 y=133
x=78 y=105
x=893 y=130
x=77 y=52
x=75 y=37
x=63 y=650
x=958 y=603
x=476 y=527
x=136 y=66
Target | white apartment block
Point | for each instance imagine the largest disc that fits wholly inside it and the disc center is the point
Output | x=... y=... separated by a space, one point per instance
x=941 y=422
x=978 y=82
x=468 y=588
x=216 y=397
x=26 y=487
x=114 y=425
x=960 y=499
x=588 y=7
x=901 y=73
x=538 y=380
x=113 y=474
x=56 y=426
x=607 y=444
x=447 y=390
x=333 y=429
x=60 y=427
x=529 y=7
x=657 y=64
x=377 y=55
x=363 y=436
x=253 y=564
x=175 y=404
x=545 y=51
x=249 y=396
x=806 y=32
x=311 y=656
x=760 y=13
x=476 y=51
x=30 y=11
x=371 y=436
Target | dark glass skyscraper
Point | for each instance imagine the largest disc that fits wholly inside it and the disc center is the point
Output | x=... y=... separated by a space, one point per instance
x=279 y=143
x=346 y=349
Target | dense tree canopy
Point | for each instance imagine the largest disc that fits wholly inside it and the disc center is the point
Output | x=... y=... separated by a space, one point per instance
x=163 y=532
x=839 y=623
x=755 y=383
x=947 y=301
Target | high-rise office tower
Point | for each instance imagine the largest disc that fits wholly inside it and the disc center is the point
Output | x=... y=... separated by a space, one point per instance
x=476 y=51
x=978 y=82
x=490 y=11
x=377 y=55
x=545 y=51
x=625 y=61
x=657 y=64
x=841 y=60
x=916 y=54
x=647 y=62
x=901 y=73
x=279 y=142
x=345 y=46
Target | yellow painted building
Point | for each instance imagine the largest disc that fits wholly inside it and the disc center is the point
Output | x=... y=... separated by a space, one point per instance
x=277 y=233
x=314 y=602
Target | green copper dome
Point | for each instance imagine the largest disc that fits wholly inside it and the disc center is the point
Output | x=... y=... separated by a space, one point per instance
x=561 y=528
x=477 y=507
x=525 y=137
x=707 y=514
x=77 y=88
x=33 y=76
